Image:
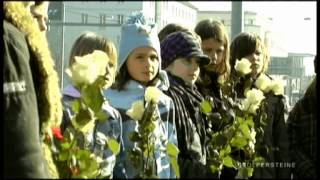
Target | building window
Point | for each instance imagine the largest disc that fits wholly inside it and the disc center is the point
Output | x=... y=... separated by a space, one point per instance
x=103 y=19
x=120 y=18
x=84 y=18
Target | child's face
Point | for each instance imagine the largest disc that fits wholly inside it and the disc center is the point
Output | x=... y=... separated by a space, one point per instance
x=256 y=59
x=143 y=64
x=188 y=70
x=215 y=50
x=110 y=74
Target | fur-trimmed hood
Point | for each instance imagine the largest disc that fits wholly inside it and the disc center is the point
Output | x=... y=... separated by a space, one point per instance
x=48 y=91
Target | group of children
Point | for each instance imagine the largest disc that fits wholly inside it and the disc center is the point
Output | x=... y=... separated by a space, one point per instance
x=188 y=67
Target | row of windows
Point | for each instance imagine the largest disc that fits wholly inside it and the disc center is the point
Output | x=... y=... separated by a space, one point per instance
x=104 y=19
x=175 y=11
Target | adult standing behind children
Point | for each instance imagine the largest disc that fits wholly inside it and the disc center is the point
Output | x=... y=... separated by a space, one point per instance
x=302 y=131
x=32 y=99
x=139 y=67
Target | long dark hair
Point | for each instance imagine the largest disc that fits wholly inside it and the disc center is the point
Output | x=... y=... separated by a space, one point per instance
x=245 y=44
x=171 y=28
x=207 y=29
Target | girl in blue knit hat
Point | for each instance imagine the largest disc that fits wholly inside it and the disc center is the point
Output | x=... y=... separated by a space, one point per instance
x=139 y=67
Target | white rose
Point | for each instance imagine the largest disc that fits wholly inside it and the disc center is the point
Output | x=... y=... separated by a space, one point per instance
x=249 y=107
x=152 y=94
x=86 y=69
x=253 y=135
x=277 y=87
x=136 y=110
x=243 y=66
x=251 y=145
x=254 y=96
x=263 y=82
x=252 y=101
x=252 y=142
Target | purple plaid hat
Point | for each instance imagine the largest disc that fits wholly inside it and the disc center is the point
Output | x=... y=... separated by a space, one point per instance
x=181 y=45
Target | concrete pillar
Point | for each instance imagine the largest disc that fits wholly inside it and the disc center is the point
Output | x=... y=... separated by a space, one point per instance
x=236 y=18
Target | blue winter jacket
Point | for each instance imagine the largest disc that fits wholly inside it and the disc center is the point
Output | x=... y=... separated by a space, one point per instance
x=122 y=100
x=112 y=128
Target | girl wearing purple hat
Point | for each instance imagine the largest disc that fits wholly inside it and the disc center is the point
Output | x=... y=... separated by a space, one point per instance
x=182 y=57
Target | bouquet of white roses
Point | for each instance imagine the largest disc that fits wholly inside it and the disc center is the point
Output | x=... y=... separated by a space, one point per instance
x=240 y=120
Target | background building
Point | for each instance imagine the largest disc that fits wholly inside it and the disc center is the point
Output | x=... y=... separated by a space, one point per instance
x=292 y=70
x=182 y=12
x=70 y=19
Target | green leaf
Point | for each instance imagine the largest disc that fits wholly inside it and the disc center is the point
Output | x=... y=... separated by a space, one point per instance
x=259 y=159
x=175 y=166
x=205 y=107
x=90 y=167
x=63 y=156
x=219 y=139
x=65 y=145
x=92 y=97
x=135 y=136
x=76 y=105
x=244 y=173
x=240 y=120
x=114 y=146
x=87 y=127
x=214 y=168
x=172 y=150
x=250 y=121
x=245 y=130
x=225 y=151
x=239 y=142
x=227 y=161
x=83 y=154
x=148 y=152
x=102 y=116
x=250 y=172
x=82 y=118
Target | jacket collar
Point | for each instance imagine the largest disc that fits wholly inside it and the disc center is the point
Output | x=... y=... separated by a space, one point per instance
x=71 y=91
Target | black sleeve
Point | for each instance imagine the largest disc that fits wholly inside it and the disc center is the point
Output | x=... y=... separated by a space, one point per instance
x=22 y=149
x=280 y=139
x=298 y=122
